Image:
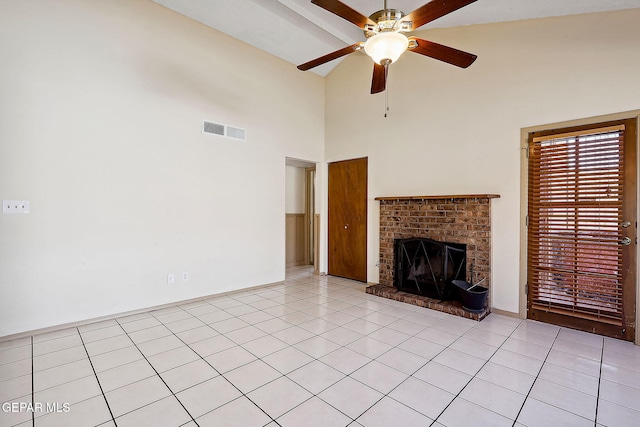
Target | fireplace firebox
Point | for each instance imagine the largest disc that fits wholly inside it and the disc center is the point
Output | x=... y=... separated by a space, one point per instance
x=427 y=267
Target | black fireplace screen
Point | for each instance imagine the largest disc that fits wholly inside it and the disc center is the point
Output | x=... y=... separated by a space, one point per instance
x=427 y=267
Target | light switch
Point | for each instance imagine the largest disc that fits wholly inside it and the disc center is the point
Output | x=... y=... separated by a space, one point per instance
x=15 y=206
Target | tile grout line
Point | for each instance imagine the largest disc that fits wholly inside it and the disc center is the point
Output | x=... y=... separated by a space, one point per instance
x=537 y=375
x=562 y=385
x=97 y=379
x=595 y=421
x=157 y=374
x=54 y=367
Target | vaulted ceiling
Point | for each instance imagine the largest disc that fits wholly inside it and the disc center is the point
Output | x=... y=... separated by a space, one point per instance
x=298 y=31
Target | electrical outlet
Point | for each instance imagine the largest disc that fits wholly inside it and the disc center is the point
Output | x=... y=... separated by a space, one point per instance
x=185 y=276
x=15 y=206
x=171 y=278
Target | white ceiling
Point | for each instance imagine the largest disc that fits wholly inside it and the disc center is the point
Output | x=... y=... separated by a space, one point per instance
x=299 y=31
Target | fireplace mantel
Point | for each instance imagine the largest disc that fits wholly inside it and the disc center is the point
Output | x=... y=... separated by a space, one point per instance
x=455 y=196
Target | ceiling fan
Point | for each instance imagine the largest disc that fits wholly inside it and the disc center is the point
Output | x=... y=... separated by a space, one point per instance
x=386 y=40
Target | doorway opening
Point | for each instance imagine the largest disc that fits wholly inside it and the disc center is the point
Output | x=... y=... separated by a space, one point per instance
x=302 y=221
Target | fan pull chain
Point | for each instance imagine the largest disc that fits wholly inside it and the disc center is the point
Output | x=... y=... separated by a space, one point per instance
x=386 y=90
x=386 y=102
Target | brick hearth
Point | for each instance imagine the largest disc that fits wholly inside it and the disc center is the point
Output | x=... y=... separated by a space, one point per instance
x=456 y=219
x=451 y=307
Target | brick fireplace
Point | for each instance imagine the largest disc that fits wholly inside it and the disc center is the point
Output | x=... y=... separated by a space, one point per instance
x=462 y=219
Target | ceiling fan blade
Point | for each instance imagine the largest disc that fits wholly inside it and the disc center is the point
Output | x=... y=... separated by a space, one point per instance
x=344 y=12
x=330 y=56
x=434 y=10
x=442 y=53
x=379 y=80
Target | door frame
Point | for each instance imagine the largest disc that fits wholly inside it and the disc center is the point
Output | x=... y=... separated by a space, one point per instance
x=310 y=256
x=524 y=204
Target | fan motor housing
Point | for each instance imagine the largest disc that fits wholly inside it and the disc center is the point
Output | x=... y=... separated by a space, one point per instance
x=386 y=20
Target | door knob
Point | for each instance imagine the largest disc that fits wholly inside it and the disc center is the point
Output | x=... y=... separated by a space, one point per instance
x=625 y=224
x=626 y=241
x=346 y=226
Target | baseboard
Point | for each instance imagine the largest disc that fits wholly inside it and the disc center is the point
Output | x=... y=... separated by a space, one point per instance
x=506 y=313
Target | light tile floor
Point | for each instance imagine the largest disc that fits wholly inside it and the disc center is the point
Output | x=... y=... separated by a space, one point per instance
x=317 y=351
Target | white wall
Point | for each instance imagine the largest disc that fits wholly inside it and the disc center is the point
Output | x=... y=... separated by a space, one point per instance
x=294 y=189
x=101 y=105
x=454 y=131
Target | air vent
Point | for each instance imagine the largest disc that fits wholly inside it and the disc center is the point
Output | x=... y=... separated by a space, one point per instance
x=236 y=133
x=224 y=130
x=215 y=128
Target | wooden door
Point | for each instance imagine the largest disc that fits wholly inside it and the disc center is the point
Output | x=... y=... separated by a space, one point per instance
x=582 y=228
x=347 y=220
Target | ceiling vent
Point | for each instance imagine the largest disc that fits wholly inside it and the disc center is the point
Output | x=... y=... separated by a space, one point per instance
x=224 y=130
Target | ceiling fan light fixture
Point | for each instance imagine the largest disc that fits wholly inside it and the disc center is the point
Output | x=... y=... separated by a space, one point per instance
x=386 y=47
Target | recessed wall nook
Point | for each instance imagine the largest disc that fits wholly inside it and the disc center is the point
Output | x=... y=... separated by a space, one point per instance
x=460 y=219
